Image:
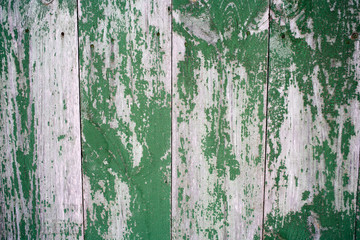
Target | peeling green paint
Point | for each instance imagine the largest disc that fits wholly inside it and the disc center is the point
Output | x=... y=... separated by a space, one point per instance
x=29 y=159
x=174 y=105
x=312 y=126
x=219 y=65
x=126 y=119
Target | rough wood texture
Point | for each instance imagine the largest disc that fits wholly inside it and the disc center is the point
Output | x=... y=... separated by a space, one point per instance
x=314 y=120
x=40 y=191
x=174 y=108
x=219 y=78
x=126 y=118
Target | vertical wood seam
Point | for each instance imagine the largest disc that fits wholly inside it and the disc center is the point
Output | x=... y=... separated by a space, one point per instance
x=81 y=152
x=171 y=119
x=266 y=121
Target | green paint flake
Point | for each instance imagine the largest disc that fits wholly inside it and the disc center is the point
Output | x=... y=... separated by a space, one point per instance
x=322 y=72
x=150 y=115
x=216 y=63
x=305 y=195
x=61 y=137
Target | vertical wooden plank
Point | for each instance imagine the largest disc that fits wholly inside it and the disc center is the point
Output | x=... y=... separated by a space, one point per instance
x=219 y=78
x=314 y=120
x=126 y=118
x=357 y=217
x=40 y=190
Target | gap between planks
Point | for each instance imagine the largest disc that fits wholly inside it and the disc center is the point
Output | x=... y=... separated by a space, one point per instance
x=266 y=120
x=81 y=152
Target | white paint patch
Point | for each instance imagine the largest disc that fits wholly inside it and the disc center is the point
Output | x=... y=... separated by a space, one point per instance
x=309 y=37
x=330 y=39
x=53 y=108
x=120 y=212
x=297 y=168
x=354 y=110
x=57 y=120
x=261 y=23
x=197 y=26
x=197 y=179
x=178 y=53
x=299 y=134
x=245 y=192
x=279 y=48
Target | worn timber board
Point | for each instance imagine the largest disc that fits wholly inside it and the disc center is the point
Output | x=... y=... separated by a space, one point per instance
x=125 y=55
x=40 y=172
x=219 y=85
x=314 y=120
x=198 y=119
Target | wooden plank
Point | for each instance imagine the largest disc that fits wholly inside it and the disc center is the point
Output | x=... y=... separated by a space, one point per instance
x=357 y=217
x=126 y=118
x=219 y=78
x=40 y=190
x=314 y=120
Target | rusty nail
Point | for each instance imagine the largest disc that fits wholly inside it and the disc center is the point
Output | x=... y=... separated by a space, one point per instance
x=354 y=36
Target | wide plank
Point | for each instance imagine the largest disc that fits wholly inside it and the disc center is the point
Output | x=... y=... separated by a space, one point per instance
x=219 y=71
x=125 y=55
x=314 y=120
x=40 y=190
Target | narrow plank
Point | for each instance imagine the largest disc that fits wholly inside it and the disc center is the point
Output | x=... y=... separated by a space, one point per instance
x=357 y=217
x=126 y=118
x=219 y=78
x=40 y=190
x=314 y=120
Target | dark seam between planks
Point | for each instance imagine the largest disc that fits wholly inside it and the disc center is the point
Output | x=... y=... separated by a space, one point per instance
x=266 y=122
x=171 y=118
x=81 y=152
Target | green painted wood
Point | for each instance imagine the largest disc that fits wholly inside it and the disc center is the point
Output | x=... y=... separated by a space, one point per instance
x=314 y=120
x=219 y=85
x=125 y=55
x=179 y=98
x=40 y=171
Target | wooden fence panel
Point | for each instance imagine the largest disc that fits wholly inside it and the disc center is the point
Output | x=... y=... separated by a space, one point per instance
x=314 y=120
x=194 y=124
x=219 y=88
x=40 y=173
x=126 y=118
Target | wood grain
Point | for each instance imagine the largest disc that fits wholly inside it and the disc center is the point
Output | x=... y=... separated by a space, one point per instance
x=40 y=190
x=193 y=123
x=219 y=78
x=314 y=120
x=126 y=118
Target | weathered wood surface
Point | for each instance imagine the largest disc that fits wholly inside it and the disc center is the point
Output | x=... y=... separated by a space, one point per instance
x=175 y=100
x=126 y=118
x=314 y=120
x=219 y=90
x=40 y=189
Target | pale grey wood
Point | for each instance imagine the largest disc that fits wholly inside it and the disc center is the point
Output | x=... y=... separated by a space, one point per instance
x=314 y=120
x=40 y=194
x=218 y=123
